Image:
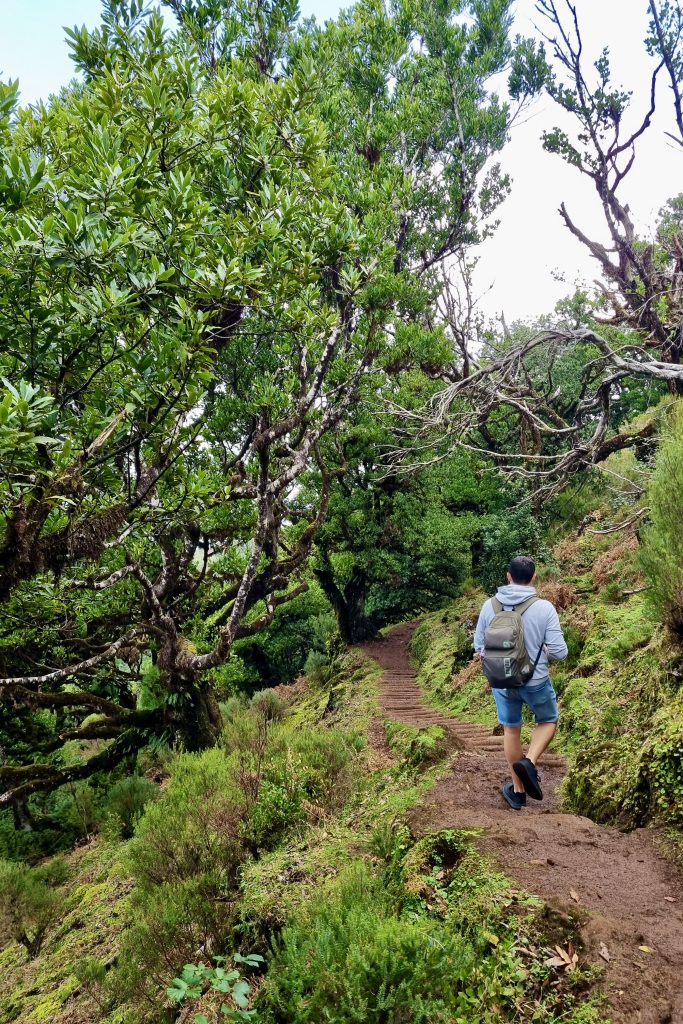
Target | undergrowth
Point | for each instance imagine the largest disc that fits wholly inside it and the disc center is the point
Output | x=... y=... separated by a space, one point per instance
x=288 y=843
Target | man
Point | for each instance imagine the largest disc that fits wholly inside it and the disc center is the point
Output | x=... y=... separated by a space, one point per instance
x=543 y=639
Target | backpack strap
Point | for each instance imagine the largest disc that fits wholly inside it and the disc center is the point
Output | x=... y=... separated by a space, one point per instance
x=525 y=605
x=521 y=608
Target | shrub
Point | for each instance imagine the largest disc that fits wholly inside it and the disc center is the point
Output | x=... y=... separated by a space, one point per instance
x=77 y=807
x=185 y=858
x=221 y=807
x=277 y=808
x=323 y=760
x=193 y=829
x=662 y=541
x=295 y=772
x=125 y=803
x=350 y=958
x=232 y=708
x=180 y=921
x=315 y=662
x=28 y=907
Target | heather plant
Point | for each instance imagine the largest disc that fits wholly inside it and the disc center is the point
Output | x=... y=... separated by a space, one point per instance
x=125 y=803
x=29 y=905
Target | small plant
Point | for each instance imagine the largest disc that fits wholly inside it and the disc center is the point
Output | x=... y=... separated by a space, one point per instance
x=197 y=980
x=316 y=663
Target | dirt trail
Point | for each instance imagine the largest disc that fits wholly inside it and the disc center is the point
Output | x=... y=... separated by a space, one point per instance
x=620 y=880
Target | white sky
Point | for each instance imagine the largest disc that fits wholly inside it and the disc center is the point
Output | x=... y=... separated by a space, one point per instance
x=515 y=272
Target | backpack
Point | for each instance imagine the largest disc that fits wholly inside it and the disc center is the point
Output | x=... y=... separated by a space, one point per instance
x=506 y=661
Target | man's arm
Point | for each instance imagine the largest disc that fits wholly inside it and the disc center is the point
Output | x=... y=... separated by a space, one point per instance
x=482 y=623
x=554 y=639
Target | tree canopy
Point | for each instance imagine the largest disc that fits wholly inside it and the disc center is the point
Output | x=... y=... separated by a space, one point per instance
x=212 y=249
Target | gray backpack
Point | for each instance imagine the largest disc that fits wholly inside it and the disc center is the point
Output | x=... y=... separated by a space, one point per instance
x=505 y=660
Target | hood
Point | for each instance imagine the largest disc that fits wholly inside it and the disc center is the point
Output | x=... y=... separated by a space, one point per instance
x=514 y=593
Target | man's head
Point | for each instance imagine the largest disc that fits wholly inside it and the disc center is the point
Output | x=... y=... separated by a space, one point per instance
x=521 y=570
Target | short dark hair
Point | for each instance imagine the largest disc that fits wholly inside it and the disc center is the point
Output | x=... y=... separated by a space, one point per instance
x=522 y=570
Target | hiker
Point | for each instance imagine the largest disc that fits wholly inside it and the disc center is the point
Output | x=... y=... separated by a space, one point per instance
x=516 y=634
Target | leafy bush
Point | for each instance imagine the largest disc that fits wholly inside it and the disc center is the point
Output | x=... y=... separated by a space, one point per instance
x=28 y=907
x=349 y=958
x=662 y=541
x=221 y=807
x=126 y=802
x=516 y=531
x=296 y=771
x=193 y=829
x=315 y=661
x=78 y=808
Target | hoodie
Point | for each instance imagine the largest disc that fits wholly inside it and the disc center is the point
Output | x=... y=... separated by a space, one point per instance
x=541 y=627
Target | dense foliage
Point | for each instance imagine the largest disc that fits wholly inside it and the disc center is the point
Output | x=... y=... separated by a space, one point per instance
x=195 y=298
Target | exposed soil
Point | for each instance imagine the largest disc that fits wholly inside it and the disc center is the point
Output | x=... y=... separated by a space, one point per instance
x=622 y=884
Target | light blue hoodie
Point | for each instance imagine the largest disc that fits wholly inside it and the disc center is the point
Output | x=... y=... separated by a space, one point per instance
x=541 y=627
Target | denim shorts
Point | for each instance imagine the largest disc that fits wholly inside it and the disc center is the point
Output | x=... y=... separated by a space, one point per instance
x=540 y=697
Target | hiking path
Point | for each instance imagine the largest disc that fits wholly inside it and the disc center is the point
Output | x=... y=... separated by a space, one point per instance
x=632 y=896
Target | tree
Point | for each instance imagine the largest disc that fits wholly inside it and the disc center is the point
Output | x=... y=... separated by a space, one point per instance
x=511 y=400
x=177 y=356
x=193 y=302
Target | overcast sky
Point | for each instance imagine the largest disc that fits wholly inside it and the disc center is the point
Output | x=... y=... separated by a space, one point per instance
x=518 y=266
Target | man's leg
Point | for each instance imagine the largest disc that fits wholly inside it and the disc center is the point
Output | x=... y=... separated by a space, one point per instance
x=512 y=744
x=543 y=702
x=540 y=741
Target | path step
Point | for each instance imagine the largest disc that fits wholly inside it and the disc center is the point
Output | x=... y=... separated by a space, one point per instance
x=402 y=699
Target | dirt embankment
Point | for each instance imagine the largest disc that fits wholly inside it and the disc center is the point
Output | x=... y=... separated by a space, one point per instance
x=632 y=897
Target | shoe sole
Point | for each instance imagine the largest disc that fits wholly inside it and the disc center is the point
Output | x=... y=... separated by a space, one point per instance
x=531 y=787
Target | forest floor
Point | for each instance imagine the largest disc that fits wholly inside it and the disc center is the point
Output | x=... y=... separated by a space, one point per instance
x=631 y=898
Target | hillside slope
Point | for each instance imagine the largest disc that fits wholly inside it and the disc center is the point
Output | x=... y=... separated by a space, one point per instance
x=616 y=887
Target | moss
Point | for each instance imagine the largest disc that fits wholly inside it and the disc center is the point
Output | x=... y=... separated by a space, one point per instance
x=48 y=1006
x=97 y=911
x=346 y=696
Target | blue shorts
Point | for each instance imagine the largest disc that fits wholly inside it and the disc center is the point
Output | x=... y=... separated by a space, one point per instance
x=540 y=697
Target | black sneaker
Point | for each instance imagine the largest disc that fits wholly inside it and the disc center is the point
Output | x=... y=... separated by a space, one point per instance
x=516 y=800
x=526 y=772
